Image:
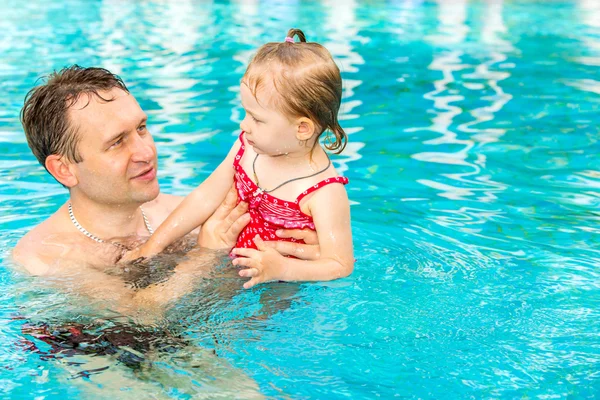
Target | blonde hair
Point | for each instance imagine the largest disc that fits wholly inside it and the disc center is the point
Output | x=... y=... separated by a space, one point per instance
x=307 y=81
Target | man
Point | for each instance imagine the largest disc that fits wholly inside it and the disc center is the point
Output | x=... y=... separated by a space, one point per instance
x=90 y=134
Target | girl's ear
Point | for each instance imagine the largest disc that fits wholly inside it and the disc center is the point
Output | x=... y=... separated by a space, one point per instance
x=61 y=170
x=306 y=129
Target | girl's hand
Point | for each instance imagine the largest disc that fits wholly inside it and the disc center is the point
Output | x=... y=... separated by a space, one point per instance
x=262 y=265
x=133 y=255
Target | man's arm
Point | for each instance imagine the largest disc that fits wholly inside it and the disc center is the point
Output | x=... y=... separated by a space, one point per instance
x=84 y=279
x=39 y=255
x=220 y=231
x=311 y=250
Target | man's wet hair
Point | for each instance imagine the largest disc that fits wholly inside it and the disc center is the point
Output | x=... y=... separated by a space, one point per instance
x=45 y=116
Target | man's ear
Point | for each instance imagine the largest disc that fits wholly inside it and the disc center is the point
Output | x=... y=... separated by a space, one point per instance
x=61 y=170
x=306 y=129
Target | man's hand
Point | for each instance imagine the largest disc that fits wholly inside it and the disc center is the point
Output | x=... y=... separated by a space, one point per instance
x=222 y=229
x=308 y=251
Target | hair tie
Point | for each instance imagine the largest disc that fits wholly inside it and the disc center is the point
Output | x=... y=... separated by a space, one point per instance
x=289 y=39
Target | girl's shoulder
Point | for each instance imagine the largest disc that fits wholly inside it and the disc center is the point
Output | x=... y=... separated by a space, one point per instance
x=329 y=173
x=325 y=188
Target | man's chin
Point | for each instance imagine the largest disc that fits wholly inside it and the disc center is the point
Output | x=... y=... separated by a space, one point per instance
x=148 y=193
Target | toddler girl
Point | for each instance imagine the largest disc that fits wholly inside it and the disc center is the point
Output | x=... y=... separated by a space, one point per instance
x=291 y=92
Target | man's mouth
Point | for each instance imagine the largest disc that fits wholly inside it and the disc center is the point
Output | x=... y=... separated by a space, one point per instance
x=146 y=175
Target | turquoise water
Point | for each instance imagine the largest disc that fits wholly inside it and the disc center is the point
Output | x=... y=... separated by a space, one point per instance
x=474 y=176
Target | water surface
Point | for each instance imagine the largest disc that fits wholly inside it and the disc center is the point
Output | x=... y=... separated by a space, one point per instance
x=474 y=179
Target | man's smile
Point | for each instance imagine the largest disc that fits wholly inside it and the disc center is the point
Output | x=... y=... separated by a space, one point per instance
x=147 y=174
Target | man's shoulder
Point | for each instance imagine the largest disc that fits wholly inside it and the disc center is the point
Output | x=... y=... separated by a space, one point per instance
x=164 y=202
x=31 y=248
x=43 y=244
x=160 y=208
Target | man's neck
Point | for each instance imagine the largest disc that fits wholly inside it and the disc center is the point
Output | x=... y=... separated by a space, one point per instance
x=108 y=220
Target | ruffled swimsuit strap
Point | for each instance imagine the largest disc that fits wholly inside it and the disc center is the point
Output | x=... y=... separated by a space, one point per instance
x=338 y=179
x=240 y=153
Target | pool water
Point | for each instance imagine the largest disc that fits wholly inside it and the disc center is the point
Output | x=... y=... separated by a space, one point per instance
x=474 y=178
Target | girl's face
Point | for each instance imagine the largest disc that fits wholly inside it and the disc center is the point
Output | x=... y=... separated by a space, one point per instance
x=268 y=130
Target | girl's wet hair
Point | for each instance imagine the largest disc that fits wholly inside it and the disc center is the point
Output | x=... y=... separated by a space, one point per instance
x=306 y=80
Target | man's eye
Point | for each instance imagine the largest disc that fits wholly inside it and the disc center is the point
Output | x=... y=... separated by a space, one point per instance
x=117 y=143
x=142 y=128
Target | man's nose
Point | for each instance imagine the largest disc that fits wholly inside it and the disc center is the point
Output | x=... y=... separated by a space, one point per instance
x=143 y=149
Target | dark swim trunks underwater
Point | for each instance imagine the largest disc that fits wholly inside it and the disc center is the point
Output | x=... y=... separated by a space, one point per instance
x=128 y=343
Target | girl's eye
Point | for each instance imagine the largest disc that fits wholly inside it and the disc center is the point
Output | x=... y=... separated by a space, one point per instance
x=254 y=119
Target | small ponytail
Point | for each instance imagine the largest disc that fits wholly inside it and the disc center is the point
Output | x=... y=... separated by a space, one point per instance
x=295 y=32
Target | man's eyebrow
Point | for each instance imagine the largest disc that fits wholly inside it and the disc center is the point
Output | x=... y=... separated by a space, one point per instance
x=123 y=133
x=114 y=137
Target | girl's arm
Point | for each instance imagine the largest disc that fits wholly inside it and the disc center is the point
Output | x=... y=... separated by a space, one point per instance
x=330 y=210
x=193 y=210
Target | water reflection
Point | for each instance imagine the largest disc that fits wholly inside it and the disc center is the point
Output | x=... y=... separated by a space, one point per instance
x=589 y=11
x=449 y=62
x=452 y=29
x=466 y=101
x=341 y=40
x=590 y=16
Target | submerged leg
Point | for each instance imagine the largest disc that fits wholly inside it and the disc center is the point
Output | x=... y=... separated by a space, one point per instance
x=198 y=372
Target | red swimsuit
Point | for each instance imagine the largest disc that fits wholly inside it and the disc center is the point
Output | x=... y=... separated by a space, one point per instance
x=269 y=213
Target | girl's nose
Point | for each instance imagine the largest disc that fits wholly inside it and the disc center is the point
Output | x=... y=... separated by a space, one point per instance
x=244 y=124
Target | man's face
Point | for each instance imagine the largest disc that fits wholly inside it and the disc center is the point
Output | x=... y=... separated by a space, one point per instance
x=119 y=157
